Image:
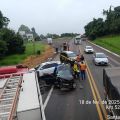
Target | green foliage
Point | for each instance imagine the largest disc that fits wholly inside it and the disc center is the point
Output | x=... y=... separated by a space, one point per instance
x=13 y=41
x=3 y=48
x=17 y=58
x=111 y=25
x=38 y=52
x=24 y=28
x=111 y=43
x=69 y=34
x=3 y=20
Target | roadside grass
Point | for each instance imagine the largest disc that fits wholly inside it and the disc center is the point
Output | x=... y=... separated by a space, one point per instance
x=18 y=58
x=111 y=43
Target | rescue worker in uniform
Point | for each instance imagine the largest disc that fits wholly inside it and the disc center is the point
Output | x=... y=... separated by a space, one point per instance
x=76 y=70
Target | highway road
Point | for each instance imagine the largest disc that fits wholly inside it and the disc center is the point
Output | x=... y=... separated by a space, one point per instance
x=79 y=104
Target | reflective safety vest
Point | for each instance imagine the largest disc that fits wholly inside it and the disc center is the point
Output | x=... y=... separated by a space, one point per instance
x=75 y=68
x=83 y=66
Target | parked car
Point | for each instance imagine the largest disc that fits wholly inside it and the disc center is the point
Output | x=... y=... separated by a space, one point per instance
x=64 y=76
x=67 y=56
x=89 y=49
x=100 y=59
x=46 y=68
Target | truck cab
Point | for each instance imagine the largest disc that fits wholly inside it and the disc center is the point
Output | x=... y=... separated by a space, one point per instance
x=111 y=82
x=77 y=40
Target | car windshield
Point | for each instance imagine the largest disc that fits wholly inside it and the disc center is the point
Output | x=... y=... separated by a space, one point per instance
x=71 y=55
x=100 y=55
x=64 y=71
x=88 y=47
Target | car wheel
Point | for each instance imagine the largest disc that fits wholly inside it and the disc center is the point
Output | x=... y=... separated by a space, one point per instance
x=73 y=85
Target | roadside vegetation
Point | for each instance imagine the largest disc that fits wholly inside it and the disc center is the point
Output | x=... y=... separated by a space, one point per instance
x=100 y=27
x=18 y=58
x=111 y=43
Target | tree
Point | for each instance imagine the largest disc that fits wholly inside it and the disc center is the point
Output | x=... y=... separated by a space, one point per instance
x=3 y=48
x=111 y=25
x=3 y=20
x=35 y=35
x=14 y=42
x=24 y=28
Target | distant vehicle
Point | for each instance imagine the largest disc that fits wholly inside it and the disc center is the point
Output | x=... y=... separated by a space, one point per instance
x=77 y=40
x=65 y=46
x=46 y=68
x=49 y=40
x=64 y=76
x=100 y=59
x=67 y=56
x=111 y=82
x=89 y=49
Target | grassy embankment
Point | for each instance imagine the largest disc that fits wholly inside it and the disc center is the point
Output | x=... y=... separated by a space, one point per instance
x=111 y=43
x=18 y=58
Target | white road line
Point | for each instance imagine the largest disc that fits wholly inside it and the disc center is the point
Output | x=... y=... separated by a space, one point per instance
x=48 y=97
x=40 y=98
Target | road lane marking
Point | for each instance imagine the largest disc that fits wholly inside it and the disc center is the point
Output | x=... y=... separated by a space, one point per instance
x=48 y=97
x=40 y=99
x=95 y=88
x=97 y=92
x=95 y=98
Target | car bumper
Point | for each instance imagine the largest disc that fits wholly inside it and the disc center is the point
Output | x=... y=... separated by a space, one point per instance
x=89 y=51
x=101 y=63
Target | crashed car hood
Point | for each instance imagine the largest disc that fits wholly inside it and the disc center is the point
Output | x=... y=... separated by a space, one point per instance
x=66 y=77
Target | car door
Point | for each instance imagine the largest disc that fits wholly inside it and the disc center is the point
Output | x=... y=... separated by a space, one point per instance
x=47 y=69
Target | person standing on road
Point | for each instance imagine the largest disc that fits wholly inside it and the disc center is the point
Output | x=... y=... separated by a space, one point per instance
x=78 y=58
x=82 y=70
x=82 y=58
x=76 y=70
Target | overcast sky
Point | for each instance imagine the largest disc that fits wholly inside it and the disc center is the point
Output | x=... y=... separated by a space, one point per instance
x=54 y=16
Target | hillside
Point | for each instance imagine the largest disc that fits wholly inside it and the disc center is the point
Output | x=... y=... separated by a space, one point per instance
x=111 y=43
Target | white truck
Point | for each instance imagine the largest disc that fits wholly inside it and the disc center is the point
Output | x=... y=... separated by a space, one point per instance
x=77 y=40
x=49 y=40
x=30 y=106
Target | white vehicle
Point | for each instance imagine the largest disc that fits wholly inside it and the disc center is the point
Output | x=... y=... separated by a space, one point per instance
x=69 y=55
x=29 y=106
x=46 y=68
x=100 y=59
x=89 y=49
x=49 y=40
x=77 y=40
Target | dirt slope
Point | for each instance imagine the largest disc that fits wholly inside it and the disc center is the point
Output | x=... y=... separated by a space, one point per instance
x=34 y=60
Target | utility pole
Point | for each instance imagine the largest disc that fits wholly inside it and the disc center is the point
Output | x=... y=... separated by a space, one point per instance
x=33 y=46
